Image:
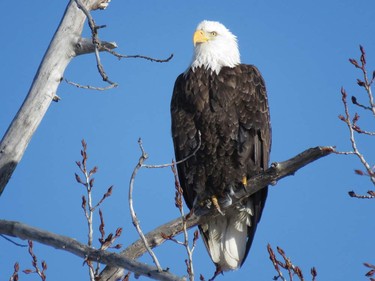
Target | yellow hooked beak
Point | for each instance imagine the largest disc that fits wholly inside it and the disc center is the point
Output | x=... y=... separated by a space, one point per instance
x=199 y=37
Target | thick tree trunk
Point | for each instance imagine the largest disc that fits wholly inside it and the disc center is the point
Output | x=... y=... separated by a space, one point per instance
x=63 y=47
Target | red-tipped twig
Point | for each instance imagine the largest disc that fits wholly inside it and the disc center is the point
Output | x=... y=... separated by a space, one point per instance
x=185 y=243
x=140 y=164
x=371 y=272
x=14 y=276
x=89 y=208
x=41 y=272
x=287 y=265
x=352 y=123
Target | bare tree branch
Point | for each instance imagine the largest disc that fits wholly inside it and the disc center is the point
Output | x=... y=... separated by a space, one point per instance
x=17 y=229
x=350 y=124
x=276 y=172
x=96 y=42
x=353 y=126
x=120 y=56
x=89 y=87
x=41 y=272
x=86 y=46
x=15 y=276
x=135 y=220
x=287 y=265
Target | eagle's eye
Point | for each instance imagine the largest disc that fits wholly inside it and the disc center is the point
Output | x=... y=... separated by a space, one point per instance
x=213 y=33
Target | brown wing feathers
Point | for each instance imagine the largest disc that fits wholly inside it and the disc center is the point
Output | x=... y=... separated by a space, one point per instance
x=231 y=112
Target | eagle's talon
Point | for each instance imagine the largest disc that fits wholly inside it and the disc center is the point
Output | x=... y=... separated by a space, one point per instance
x=215 y=202
x=244 y=181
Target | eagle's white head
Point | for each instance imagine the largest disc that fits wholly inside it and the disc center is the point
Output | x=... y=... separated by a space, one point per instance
x=214 y=47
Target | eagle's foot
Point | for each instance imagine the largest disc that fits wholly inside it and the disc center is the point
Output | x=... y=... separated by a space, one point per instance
x=227 y=200
x=215 y=202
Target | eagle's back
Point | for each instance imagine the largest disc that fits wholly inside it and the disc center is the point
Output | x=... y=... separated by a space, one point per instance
x=230 y=110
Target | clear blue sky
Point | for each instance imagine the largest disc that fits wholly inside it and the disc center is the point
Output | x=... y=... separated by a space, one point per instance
x=302 y=49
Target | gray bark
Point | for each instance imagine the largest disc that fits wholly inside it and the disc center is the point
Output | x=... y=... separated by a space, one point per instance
x=20 y=230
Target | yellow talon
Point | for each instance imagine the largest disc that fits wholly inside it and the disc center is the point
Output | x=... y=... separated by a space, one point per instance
x=244 y=181
x=215 y=202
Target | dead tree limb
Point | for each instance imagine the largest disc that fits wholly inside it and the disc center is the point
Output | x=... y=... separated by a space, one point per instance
x=17 y=229
x=65 y=45
x=276 y=172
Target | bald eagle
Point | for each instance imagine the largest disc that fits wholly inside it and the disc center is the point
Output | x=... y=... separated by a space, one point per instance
x=225 y=102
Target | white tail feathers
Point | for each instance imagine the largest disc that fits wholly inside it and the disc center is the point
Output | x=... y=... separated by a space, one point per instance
x=227 y=237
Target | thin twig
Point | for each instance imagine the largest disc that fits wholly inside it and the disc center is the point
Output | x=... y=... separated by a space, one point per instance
x=89 y=209
x=13 y=242
x=15 y=276
x=371 y=195
x=355 y=102
x=87 y=205
x=371 y=271
x=173 y=163
x=135 y=220
x=88 y=87
x=275 y=264
x=352 y=123
x=104 y=46
x=348 y=121
x=120 y=56
x=367 y=83
x=37 y=270
x=95 y=40
x=180 y=206
x=288 y=265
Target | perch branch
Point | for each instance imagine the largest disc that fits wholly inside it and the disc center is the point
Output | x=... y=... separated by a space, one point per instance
x=276 y=172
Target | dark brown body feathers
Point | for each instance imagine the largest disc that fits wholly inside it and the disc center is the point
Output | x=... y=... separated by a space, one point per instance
x=230 y=110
